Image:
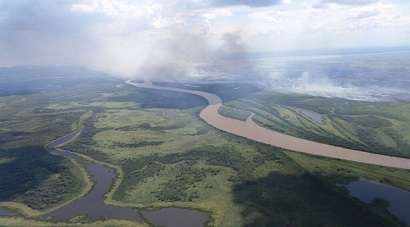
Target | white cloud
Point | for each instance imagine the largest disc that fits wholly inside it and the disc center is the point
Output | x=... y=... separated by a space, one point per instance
x=214 y=13
x=333 y=27
x=115 y=8
x=335 y=3
x=119 y=35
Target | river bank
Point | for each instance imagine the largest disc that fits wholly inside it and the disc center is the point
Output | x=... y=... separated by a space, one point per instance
x=93 y=205
x=249 y=129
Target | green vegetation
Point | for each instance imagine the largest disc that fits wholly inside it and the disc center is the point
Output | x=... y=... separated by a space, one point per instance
x=375 y=127
x=183 y=162
x=38 y=179
x=33 y=181
x=148 y=98
x=28 y=173
x=240 y=182
x=226 y=91
x=234 y=113
x=19 y=221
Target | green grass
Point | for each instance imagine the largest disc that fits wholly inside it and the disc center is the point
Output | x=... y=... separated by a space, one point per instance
x=19 y=221
x=28 y=173
x=39 y=180
x=183 y=162
x=239 y=181
x=375 y=127
x=234 y=113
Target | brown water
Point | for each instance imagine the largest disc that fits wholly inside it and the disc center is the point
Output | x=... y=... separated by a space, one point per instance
x=249 y=129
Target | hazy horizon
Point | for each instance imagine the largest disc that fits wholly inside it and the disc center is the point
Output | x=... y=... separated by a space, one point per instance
x=204 y=112
x=220 y=40
x=189 y=38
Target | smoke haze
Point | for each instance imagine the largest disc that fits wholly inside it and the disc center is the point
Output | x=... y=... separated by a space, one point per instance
x=193 y=40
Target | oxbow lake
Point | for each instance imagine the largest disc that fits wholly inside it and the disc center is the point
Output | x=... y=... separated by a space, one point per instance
x=367 y=191
x=92 y=204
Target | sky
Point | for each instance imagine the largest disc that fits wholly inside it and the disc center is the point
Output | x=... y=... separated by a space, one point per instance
x=172 y=37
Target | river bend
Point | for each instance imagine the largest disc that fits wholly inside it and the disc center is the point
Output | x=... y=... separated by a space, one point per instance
x=249 y=129
x=92 y=205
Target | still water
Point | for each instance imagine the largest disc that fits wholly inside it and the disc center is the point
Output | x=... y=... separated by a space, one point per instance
x=176 y=217
x=367 y=191
x=6 y=212
x=92 y=204
x=316 y=117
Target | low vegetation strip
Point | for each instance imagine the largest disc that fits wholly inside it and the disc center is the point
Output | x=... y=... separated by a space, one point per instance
x=253 y=131
x=381 y=128
x=234 y=113
x=239 y=181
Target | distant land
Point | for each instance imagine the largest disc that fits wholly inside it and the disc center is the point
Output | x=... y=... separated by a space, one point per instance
x=154 y=158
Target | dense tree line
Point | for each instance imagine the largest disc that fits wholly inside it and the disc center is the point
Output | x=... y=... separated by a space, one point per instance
x=138 y=169
x=26 y=177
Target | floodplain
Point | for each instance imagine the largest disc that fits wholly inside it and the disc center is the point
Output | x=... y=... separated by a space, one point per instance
x=180 y=161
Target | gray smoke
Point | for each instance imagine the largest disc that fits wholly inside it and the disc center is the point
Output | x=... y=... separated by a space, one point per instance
x=322 y=85
x=189 y=55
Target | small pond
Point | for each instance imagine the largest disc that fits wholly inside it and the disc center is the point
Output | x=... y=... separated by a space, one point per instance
x=316 y=117
x=367 y=191
x=176 y=217
x=6 y=212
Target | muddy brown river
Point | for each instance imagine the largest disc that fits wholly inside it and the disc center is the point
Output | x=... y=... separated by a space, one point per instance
x=249 y=129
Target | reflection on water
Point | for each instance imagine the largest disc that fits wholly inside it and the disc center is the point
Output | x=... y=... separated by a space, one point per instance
x=316 y=117
x=61 y=140
x=92 y=205
x=249 y=129
x=176 y=217
x=399 y=199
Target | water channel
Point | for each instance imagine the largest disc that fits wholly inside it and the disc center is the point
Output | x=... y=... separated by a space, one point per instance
x=367 y=191
x=249 y=129
x=92 y=204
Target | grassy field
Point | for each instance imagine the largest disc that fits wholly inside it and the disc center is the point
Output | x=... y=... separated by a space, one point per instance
x=33 y=181
x=375 y=127
x=234 y=113
x=181 y=161
x=28 y=173
x=19 y=221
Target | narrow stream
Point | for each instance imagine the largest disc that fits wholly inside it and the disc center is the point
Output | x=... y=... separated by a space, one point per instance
x=92 y=204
